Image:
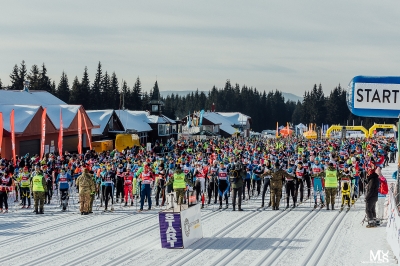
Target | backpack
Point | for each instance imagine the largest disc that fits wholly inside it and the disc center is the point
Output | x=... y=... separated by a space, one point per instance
x=383 y=186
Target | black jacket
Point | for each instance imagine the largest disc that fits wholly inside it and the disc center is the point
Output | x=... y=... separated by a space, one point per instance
x=373 y=187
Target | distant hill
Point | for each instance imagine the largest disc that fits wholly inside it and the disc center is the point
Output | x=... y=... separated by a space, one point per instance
x=288 y=96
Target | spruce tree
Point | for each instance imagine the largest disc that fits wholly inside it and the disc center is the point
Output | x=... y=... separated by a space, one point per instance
x=137 y=103
x=22 y=76
x=44 y=81
x=105 y=103
x=155 y=92
x=14 y=78
x=95 y=92
x=33 y=78
x=1 y=85
x=114 y=97
x=75 y=92
x=63 y=91
x=85 y=89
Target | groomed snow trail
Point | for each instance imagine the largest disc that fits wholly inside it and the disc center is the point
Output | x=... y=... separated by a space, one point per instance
x=299 y=236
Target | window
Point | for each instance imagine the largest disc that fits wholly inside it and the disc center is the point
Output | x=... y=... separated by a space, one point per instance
x=154 y=108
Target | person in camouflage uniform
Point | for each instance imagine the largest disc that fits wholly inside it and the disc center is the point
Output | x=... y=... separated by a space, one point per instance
x=39 y=188
x=276 y=185
x=86 y=186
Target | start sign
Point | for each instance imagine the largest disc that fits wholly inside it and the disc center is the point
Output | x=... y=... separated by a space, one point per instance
x=374 y=96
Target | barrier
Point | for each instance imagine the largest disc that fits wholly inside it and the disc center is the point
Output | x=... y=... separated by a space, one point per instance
x=355 y=128
x=375 y=126
x=393 y=226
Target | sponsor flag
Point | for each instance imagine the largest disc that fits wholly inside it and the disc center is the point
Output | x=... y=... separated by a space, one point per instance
x=60 y=135
x=87 y=132
x=79 y=132
x=12 y=136
x=43 y=134
x=1 y=130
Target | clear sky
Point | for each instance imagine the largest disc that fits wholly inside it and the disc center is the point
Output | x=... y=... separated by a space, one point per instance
x=284 y=45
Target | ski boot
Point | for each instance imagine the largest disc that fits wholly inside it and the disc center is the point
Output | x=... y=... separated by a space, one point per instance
x=220 y=206
x=371 y=224
x=233 y=209
x=6 y=211
x=227 y=206
x=333 y=207
x=315 y=205
x=132 y=203
x=287 y=206
x=262 y=205
x=126 y=204
x=240 y=208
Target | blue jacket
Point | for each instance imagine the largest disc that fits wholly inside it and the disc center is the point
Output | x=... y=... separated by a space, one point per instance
x=63 y=184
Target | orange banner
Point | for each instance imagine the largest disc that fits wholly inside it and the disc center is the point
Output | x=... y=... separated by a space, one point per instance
x=43 y=134
x=87 y=132
x=60 y=135
x=1 y=131
x=79 y=132
x=12 y=136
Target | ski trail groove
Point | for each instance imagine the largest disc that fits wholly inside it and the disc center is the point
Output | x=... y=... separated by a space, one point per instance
x=28 y=225
x=57 y=240
x=50 y=228
x=129 y=254
x=323 y=241
x=87 y=241
x=240 y=246
x=185 y=258
x=273 y=254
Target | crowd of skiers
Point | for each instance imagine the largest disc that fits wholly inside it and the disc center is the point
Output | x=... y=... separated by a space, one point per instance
x=207 y=172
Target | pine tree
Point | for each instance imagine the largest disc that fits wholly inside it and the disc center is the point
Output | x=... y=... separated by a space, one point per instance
x=126 y=97
x=44 y=81
x=85 y=89
x=95 y=92
x=22 y=76
x=33 y=78
x=105 y=92
x=75 y=92
x=145 y=101
x=63 y=91
x=137 y=103
x=14 y=77
x=114 y=97
x=155 y=95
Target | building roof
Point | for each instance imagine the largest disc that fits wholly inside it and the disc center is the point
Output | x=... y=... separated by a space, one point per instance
x=23 y=97
x=134 y=120
x=23 y=115
x=162 y=119
x=100 y=117
x=218 y=119
x=68 y=114
x=236 y=118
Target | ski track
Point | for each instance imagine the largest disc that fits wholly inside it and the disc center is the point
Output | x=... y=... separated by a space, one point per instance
x=296 y=236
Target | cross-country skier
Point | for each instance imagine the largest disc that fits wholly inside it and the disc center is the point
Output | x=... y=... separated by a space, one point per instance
x=5 y=186
x=64 y=180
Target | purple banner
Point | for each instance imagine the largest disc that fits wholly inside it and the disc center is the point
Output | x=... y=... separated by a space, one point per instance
x=170 y=230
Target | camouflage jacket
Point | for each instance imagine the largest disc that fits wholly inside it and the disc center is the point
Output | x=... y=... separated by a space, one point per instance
x=85 y=184
x=277 y=178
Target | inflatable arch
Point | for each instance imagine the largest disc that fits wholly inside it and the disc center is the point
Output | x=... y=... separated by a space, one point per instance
x=360 y=128
x=375 y=126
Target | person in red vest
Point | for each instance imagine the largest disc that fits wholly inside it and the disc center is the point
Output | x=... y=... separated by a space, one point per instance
x=147 y=177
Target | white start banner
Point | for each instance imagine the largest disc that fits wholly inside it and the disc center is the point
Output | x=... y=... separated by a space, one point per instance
x=377 y=96
x=191 y=225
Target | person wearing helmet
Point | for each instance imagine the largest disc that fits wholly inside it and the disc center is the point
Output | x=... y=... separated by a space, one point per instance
x=317 y=172
x=223 y=184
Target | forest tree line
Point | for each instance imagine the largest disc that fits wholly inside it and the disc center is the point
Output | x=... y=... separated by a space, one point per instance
x=107 y=91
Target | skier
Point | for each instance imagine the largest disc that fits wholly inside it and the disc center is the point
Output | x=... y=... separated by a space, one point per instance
x=290 y=187
x=200 y=184
x=64 y=180
x=160 y=182
x=108 y=183
x=317 y=174
x=147 y=178
x=24 y=180
x=300 y=175
x=372 y=195
x=49 y=183
x=39 y=188
x=345 y=184
x=236 y=179
x=223 y=184
x=267 y=176
x=128 y=181
x=5 y=187
x=119 y=186
x=256 y=179
x=212 y=182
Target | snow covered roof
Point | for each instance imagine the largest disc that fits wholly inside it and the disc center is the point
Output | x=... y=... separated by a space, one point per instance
x=28 y=98
x=136 y=120
x=236 y=118
x=155 y=119
x=23 y=115
x=100 y=117
x=68 y=114
x=218 y=119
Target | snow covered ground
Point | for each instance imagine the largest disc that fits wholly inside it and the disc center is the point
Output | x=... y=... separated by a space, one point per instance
x=297 y=237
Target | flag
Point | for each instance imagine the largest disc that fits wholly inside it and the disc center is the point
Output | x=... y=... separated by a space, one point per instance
x=201 y=117
x=1 y=131
x=43 y=134
x=79 y=132
x=87 y=132
x=60 y=135
x=277 y=129
x=12 y=136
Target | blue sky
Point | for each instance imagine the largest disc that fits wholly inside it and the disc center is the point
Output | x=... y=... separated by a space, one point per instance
x=284 y=45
